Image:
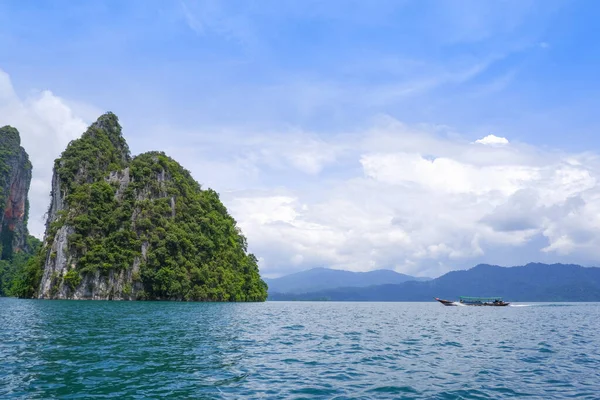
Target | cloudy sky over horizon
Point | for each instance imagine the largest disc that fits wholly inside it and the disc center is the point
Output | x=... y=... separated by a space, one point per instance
x=419 y=136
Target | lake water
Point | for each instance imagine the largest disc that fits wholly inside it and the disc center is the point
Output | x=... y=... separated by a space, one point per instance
x=85 y=349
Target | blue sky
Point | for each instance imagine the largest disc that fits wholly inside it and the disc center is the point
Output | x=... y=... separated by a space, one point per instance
x=320 y=64
x=308 y=115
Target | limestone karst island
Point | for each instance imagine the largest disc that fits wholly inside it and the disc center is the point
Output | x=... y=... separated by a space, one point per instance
x=119 y=228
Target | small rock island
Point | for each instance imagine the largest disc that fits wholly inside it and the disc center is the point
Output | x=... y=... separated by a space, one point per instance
x=136 y=228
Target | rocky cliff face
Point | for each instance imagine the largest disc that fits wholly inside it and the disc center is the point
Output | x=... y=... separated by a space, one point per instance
x=15 y=178
x=70 y=172
x=124 y=229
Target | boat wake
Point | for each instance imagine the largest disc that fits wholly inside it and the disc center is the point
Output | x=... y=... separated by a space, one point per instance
x=458 y=303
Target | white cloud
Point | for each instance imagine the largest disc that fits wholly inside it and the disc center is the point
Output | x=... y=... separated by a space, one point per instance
x=46 y=124
x=417 y=199
x=191 y=19
x=422 y=202
x=492 y=140
x=445 y=174
x=7 y=93
x=264 y=210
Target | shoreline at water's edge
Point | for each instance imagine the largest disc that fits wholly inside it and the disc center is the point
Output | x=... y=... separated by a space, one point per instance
x=133 y=300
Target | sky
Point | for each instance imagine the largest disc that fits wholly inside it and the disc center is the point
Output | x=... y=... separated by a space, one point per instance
x=419 y=136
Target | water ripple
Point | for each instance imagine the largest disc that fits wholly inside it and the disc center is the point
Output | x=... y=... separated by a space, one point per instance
x=82 y=350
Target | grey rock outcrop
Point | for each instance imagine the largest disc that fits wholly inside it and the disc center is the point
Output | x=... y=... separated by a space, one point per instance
x=59 y=258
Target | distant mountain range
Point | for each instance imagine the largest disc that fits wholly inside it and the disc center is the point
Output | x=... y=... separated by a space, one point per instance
x=531 y=282
x=318 y=279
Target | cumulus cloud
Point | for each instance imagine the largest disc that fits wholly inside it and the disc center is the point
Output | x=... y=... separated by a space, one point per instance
x=417 y=199
x=520 y=212
x=423 y=202
x=46 y=124
x=444 y=174
x=492 y=140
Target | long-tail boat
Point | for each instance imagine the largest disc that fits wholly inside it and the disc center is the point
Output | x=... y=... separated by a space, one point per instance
x=476 y=301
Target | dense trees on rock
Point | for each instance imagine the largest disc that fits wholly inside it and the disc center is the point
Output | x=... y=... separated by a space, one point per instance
x=141 y=227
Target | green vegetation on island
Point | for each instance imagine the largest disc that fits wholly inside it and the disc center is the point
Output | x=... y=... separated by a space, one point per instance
x=136 y=228
x=14 y=272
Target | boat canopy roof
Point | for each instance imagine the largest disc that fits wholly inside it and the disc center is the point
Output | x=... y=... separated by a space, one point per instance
x=466 y=298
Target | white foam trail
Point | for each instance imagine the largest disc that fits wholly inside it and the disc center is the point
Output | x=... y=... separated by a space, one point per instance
x=458 y=303
x=520 y=305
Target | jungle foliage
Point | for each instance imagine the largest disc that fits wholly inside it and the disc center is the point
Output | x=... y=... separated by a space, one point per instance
x=147 y=211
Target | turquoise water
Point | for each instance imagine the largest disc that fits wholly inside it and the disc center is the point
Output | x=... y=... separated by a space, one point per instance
x=84 y=349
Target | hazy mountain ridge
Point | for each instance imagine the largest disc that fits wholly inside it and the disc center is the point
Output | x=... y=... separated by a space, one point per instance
x=531 y=282
x=318 y=279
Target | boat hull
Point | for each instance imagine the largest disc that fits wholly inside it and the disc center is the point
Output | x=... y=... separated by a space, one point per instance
x=446 y=302
x=473 y=304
